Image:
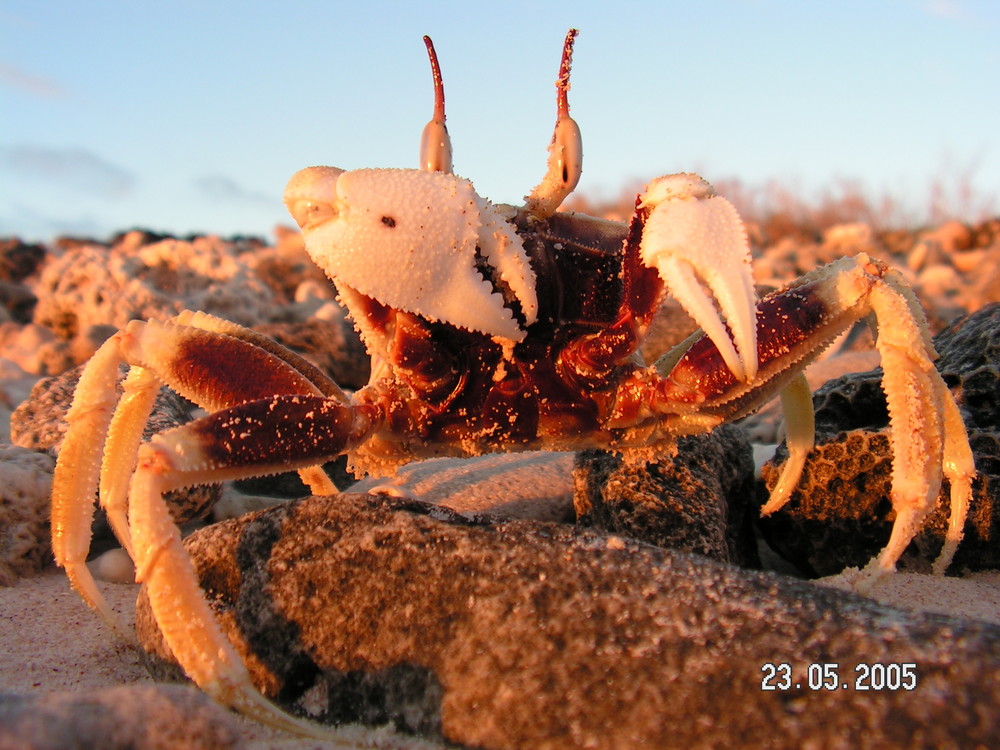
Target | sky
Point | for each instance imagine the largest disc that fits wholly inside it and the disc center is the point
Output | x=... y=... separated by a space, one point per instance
x=190 y=116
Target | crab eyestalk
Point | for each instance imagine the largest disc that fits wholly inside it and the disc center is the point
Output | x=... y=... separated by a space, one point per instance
x=435 y=145
x=565 y=163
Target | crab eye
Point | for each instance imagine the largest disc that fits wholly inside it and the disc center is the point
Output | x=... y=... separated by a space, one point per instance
x=308 y=213
x=311 y=195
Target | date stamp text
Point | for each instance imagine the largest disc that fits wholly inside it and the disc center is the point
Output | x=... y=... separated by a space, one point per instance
x=781 y=676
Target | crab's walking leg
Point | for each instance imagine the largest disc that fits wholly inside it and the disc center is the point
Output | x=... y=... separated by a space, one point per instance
x=77 y=474
x=800 y=435
x=928 y=438
x=960 y=470
x=251 y=439
x=926 y=442
x=156 y=359
x=213 y=362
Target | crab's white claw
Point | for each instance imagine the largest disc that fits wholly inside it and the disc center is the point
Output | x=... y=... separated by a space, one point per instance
x=420 y=241
x=694 y=237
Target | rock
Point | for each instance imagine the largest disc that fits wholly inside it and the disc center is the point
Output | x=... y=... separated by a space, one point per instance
x=286 y=267
x=136 y=717
x=15 y=385
x=519 y=634
x=986 y=233
x=697 y=501
x=848 y=239
x=39 y=423
x=840 y=515
x=35 y=349
x=25 y=539
x=17 y=302
x=19 y=260
x=95 y=285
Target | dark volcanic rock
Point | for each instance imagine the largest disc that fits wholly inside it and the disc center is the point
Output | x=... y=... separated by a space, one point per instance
x=18 y=260
x=840 y=514
x=136 y=717
x=528 y=635
x=18 y=301
x=697 y=501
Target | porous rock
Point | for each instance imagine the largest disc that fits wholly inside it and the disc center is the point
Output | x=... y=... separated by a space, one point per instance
x=698 y=500
x=528 y=635
x=135 y=717
x=17 y=302
x=95 y=285
x=18 y=260
x=35 y=349
x=840 y=514
x=25 y=546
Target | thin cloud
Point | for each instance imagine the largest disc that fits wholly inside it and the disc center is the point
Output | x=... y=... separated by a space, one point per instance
x=74 y=168
x=31 y=83
x=221 y=188
x=29 y=224
x=951 y=10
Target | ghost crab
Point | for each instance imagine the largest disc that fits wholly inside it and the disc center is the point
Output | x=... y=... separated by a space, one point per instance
x=490 y=328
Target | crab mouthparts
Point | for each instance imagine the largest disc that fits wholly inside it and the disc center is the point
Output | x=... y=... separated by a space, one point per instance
x=491 y=274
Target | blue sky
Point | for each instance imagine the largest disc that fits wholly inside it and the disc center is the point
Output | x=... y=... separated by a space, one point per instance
x=189 y=116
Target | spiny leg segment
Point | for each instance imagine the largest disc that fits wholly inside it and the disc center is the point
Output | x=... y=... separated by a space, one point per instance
x=929 y=440
x=221 y=367
x=250 y=439
x=105 y=431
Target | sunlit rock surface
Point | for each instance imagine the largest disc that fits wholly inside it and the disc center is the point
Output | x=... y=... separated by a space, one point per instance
x=522 y=634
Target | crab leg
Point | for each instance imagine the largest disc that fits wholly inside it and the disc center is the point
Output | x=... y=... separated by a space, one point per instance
x=926 y=443
x=76 y=477
x=960 y=470
x=148 y=348
x=101 y=424
x=250 y=439
x=928 y=439
x=800 y=435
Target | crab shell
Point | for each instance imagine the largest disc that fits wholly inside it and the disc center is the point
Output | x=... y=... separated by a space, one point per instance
x=422 y=242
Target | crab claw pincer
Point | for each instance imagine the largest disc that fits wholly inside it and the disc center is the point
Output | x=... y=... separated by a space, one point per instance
x=693 y=237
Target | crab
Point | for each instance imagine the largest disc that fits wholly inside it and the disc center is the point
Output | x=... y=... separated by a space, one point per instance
x=491 y=328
